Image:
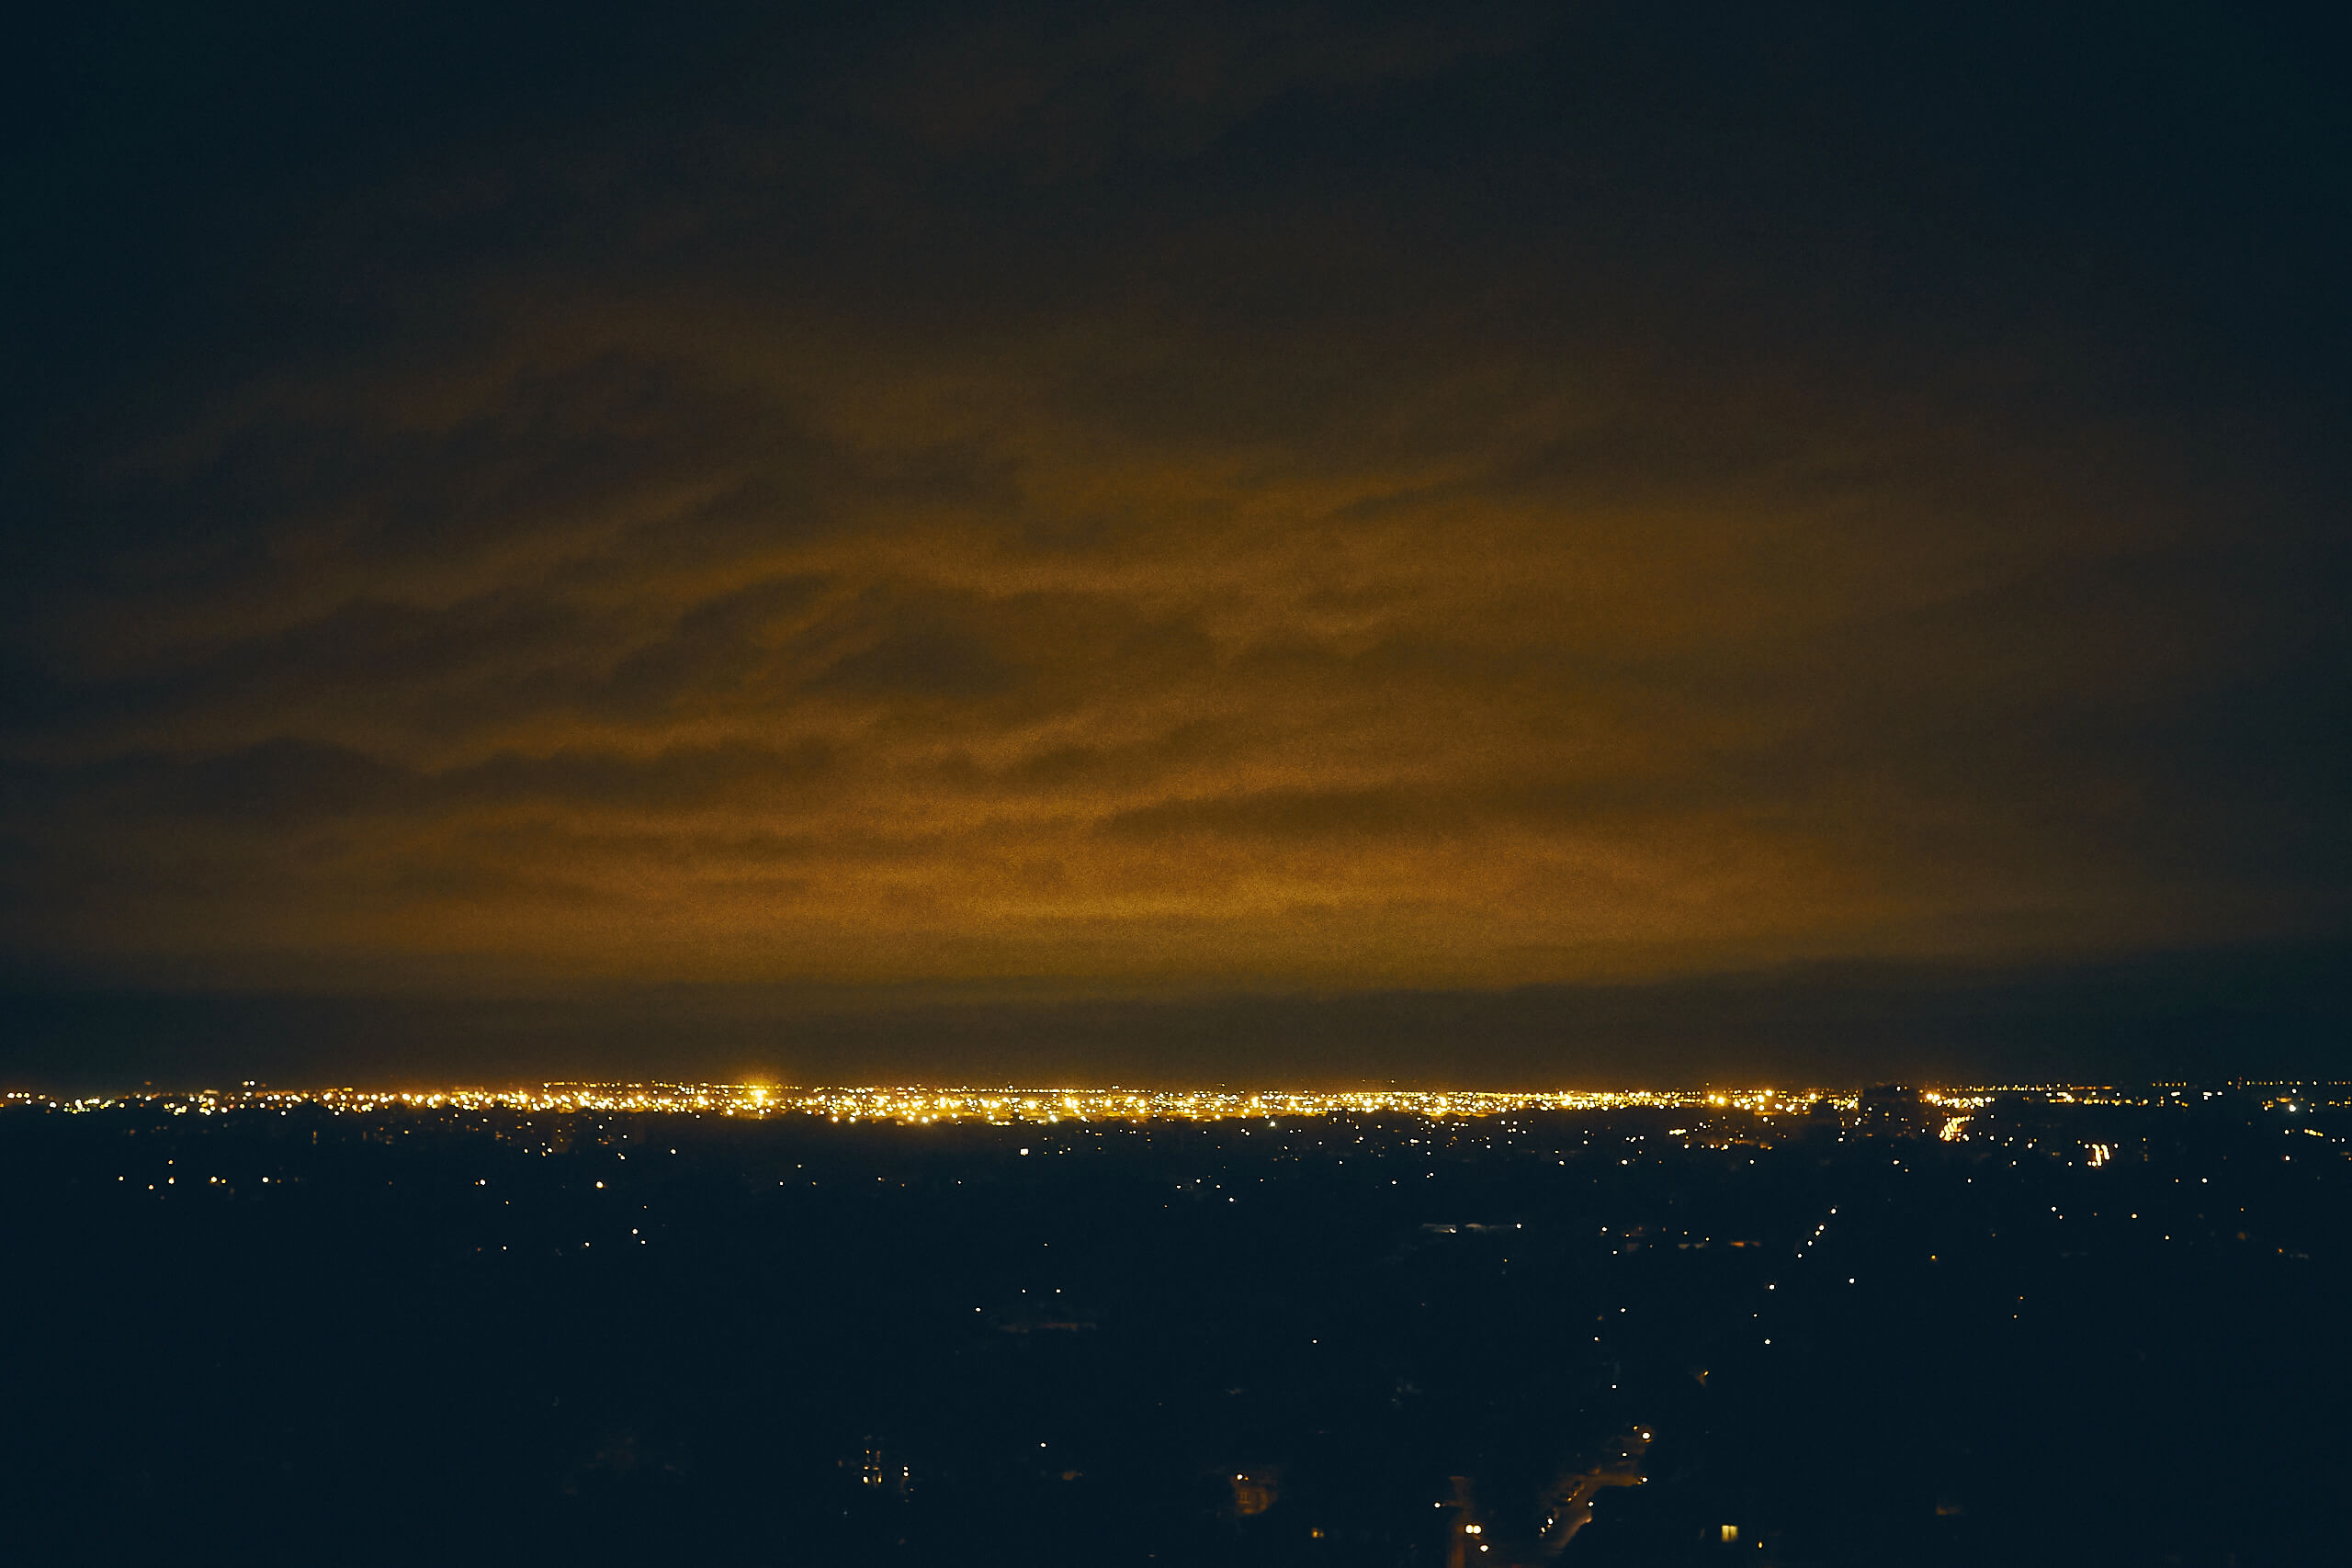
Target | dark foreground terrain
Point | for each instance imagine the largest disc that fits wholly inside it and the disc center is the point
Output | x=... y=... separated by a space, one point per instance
x=2083 y=1333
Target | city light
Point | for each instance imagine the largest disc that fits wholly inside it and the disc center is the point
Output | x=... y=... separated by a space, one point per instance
x=921 y=1105
x=914 y=1105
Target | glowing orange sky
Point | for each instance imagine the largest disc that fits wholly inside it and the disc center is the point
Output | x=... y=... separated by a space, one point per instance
x=987 y=523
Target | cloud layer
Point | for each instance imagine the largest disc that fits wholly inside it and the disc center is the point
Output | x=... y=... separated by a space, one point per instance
x=1211 y=499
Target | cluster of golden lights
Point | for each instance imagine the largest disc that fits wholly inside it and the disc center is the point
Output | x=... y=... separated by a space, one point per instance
x=919 y=1106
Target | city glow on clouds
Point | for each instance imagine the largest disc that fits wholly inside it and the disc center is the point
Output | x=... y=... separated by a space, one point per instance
x=923 y=524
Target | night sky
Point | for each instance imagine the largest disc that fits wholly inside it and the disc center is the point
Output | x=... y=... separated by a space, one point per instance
x=1548 y=543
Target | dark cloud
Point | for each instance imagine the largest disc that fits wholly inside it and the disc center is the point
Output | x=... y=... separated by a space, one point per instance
x=1134 y=496
x=2175 y=1015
